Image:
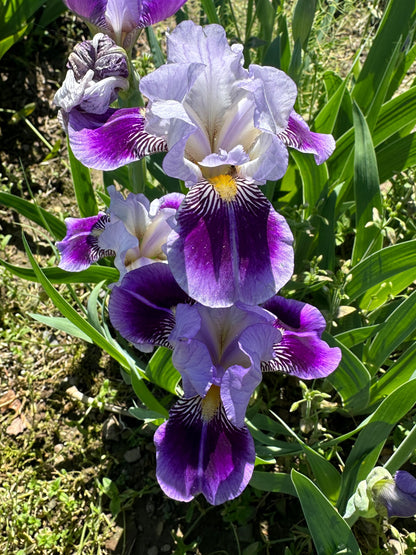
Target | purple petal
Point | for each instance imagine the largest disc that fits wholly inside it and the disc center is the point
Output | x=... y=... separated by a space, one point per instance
x=301 y=351
x=405 y=482
x=140 y=308
x=171 y=200
x=92 y=10
x=191 y=357
x=303 y=355
x=154 y=11
x=208 y=343
x=107 y=144
x=124 y=16
x=298 y=135
x=399 y=497
x=239 y=382
x=295 y=315
x=202 y=455
x=229 y=245
x=80 y=248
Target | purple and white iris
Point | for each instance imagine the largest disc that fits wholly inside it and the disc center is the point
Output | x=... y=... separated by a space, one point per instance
x=225 y=130
x=133 y=230
x=205 y=446
x=123 y=20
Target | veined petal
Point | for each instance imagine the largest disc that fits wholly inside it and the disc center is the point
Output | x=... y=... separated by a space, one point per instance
x=202 y=455
x=216 y=89
x=303 y=355
x=140 y=308
x=80 y=248
x=123 y=15
x=229 y=244
x=119 y=139
x=301 y=351
x=298 y=135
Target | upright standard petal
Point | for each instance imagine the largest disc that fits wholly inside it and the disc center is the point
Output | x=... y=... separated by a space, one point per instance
x=301 y=351
x=199 y=451
x=80 y=247
x=91 y=10
x=140 y=308
x=154 y=11
x=229 y=244
x=123 y=19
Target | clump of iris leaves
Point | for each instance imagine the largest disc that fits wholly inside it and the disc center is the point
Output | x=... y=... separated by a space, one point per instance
x=355 y=256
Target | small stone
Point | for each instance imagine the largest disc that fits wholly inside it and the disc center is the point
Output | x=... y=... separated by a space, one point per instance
x=132 y=455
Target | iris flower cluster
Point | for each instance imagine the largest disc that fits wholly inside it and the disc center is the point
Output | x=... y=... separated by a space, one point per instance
x=199 y=273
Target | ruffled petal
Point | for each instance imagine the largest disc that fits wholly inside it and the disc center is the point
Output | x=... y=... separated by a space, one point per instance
x=200 y=455
x=140 y=308
x=229 y=245
x=112 y=140
x=80 y=247
x=272 y=108
x=298 y=135
x=170 y=81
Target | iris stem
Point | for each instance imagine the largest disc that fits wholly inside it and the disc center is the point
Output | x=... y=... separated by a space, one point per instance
x=137 y=176
x=402 y=453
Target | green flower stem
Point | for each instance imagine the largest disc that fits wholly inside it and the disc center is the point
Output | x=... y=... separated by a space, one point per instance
x=131 y=99
x=137 y=176
x=402 y=453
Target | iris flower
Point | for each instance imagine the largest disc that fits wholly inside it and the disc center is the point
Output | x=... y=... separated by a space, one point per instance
x=205 y=447
x=133 y=230
x=123 y=20
x=383 y=494
x=225 y=130
x=397 y=496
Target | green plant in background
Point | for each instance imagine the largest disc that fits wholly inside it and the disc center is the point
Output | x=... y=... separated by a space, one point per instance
x=355 y=258
x=17 y=19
